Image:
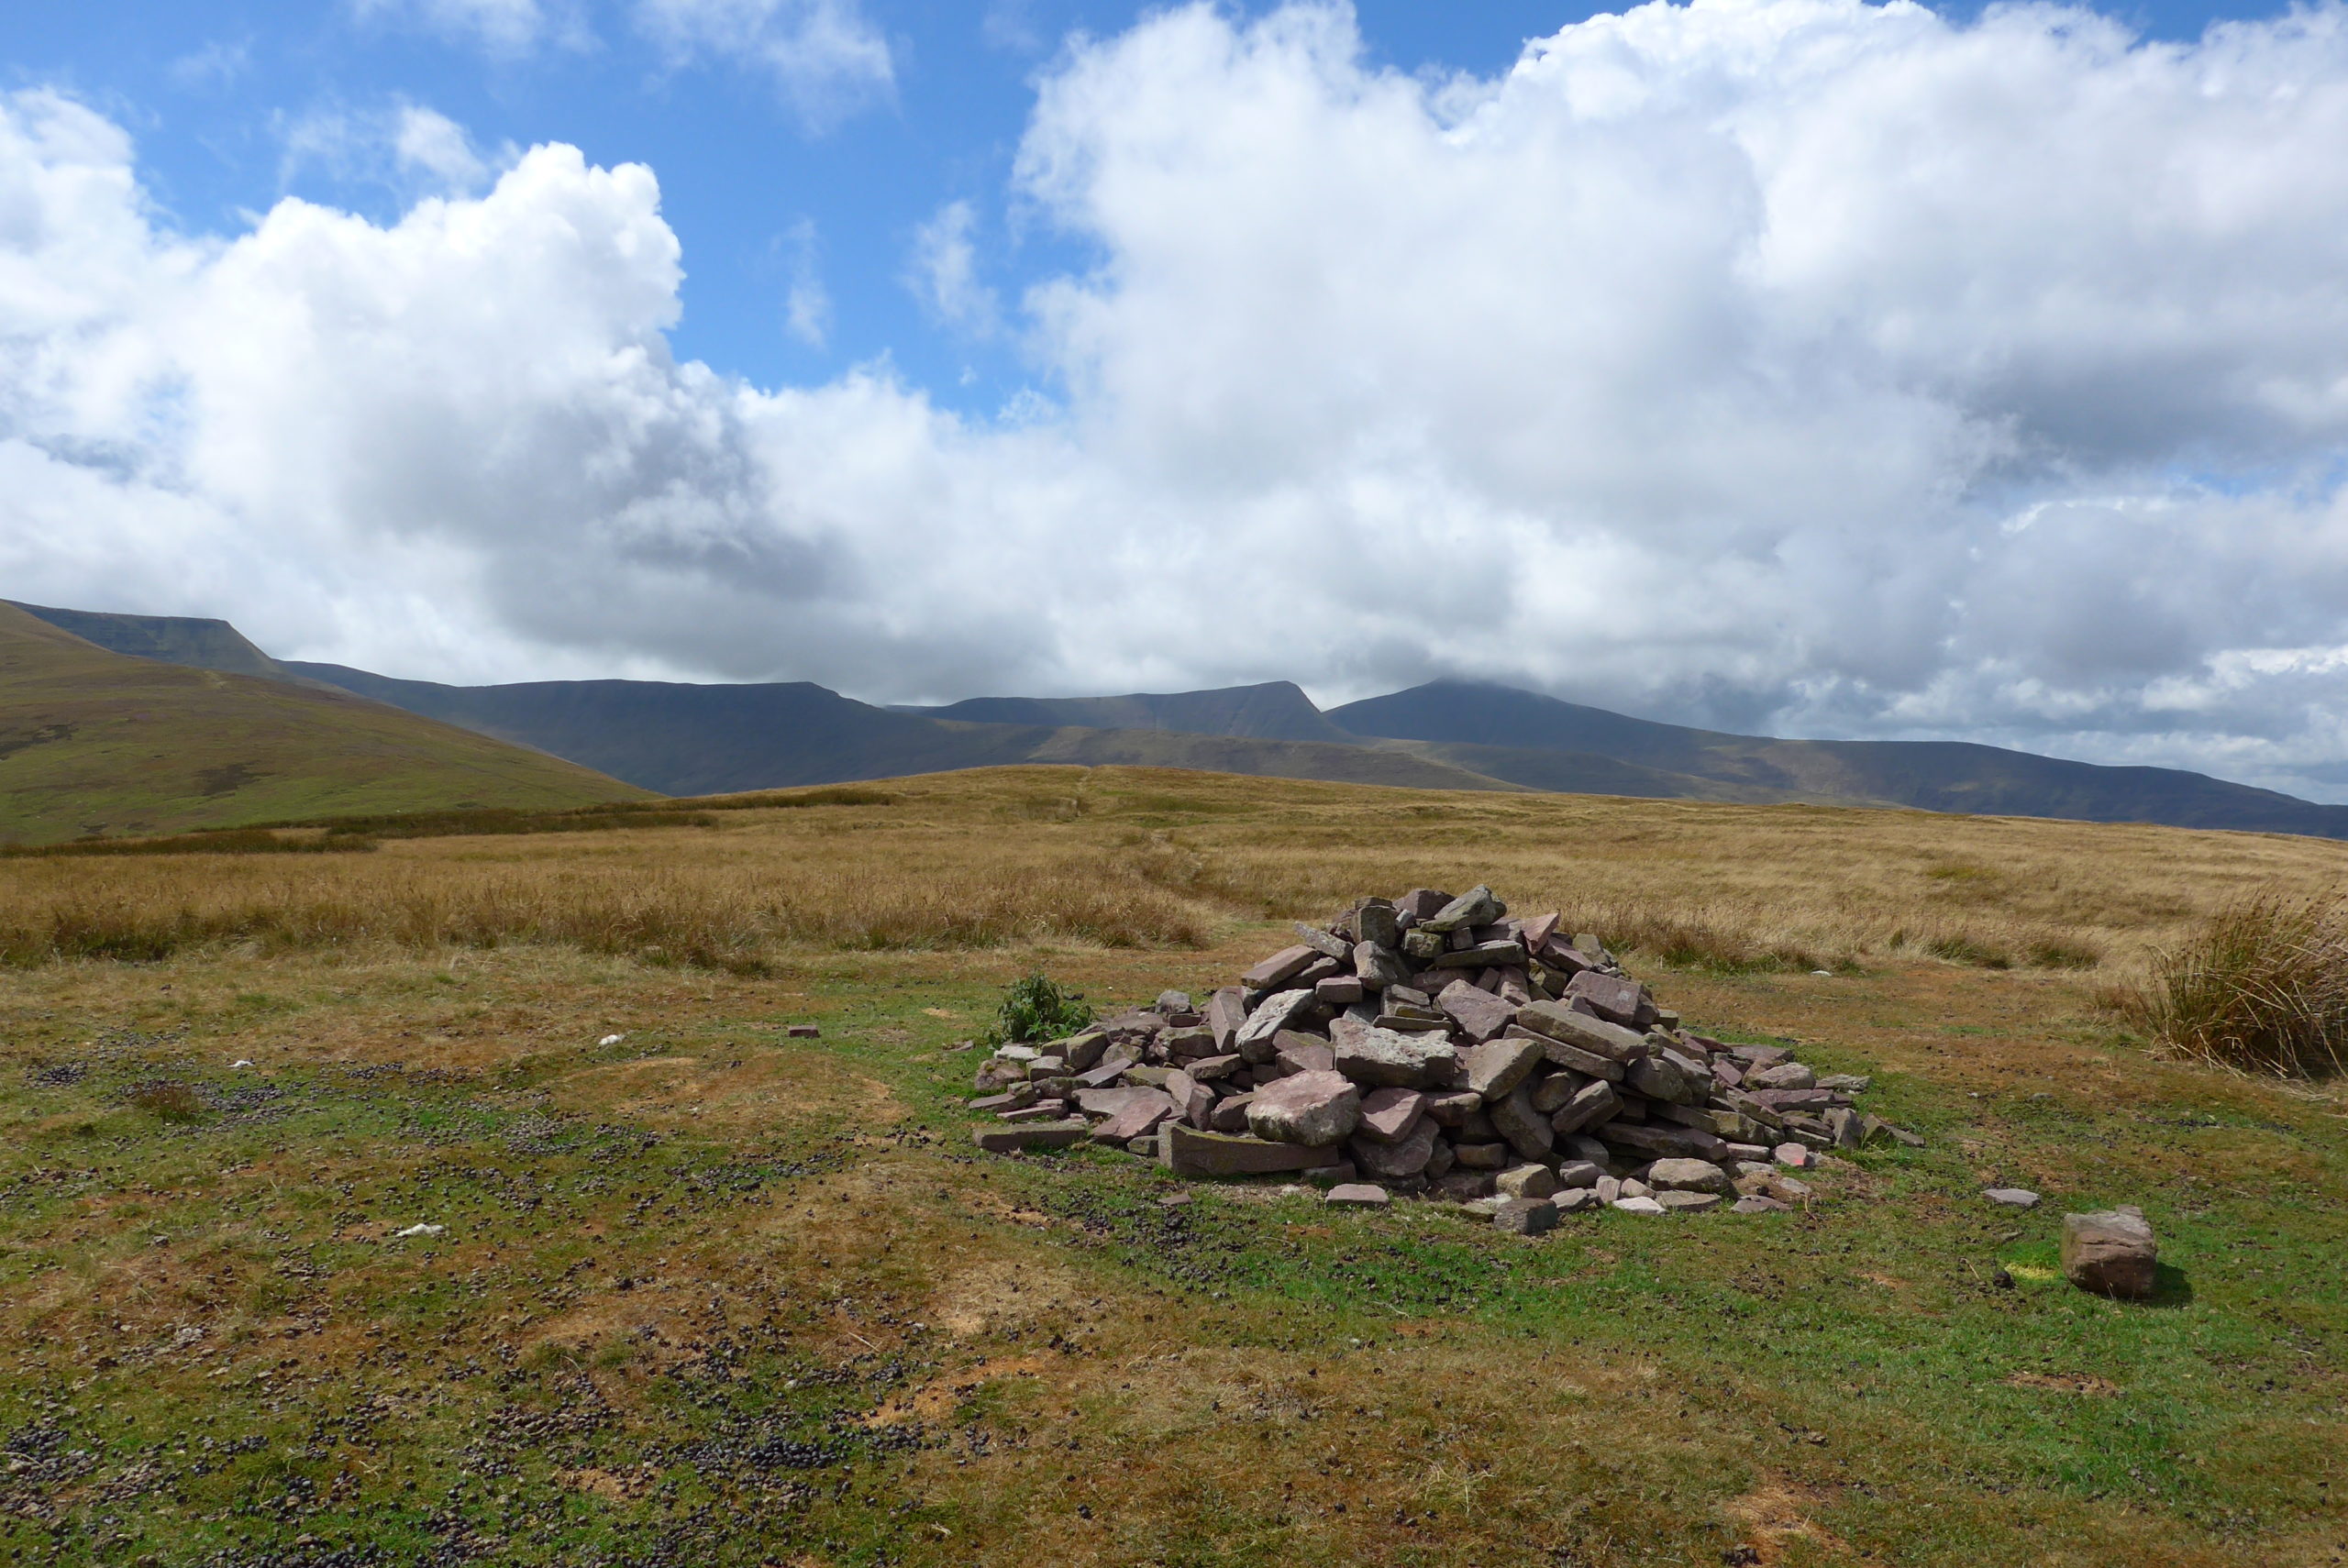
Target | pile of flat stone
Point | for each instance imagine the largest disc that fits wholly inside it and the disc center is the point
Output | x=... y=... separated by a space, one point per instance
x=1435 y=1046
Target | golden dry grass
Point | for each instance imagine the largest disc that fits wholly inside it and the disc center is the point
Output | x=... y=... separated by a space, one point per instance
x=1138 y=857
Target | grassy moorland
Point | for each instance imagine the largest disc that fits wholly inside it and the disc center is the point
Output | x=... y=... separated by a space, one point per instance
x=710 y=1295
x=98 y=742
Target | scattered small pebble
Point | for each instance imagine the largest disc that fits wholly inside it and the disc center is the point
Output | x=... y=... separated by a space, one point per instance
x=611 y=1039
x=240 y=1062
x=420 y=1231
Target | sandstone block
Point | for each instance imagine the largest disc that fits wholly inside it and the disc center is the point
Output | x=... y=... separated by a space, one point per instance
x=1378 y=966
x=1137 y=1118
x=1274 y=1013
x=1593 y=1035
x=1526 y=1181
x=1318 y=1110
x=1482 y=955
x=1689 y=1202
x=1481 y=1156
x=1407 y=1156
x=1688 y=1175
x=1527 y=1131
x=1000 y=1140
x=1382 y=1059
x=1453 y=1109
x=1525 y=1216
x=1589 y=1105
x=1614 y=997
x=1375 y=922
x=1339 y=990
x=1572 y=1173
x=1357 y=1194
x=1296 y=1051
x=1321 y=941
x=1185 y=1151
x=1477 y=906
x=1274 y=971
x=2111 y=1254
x=1496 y=1068
x=1783 y=1076
x=1230 y=1114
x=1479 y=1014
x=1226 y=1012
x=2006 y=1196
x=1391 y=1115
x=1662 y=1141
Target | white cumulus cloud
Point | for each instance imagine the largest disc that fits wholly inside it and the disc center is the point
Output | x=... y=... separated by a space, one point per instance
x=1802 y=363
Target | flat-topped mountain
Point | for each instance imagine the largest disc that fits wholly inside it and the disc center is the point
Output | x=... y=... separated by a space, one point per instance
x=1278 y=710
x=682 y=738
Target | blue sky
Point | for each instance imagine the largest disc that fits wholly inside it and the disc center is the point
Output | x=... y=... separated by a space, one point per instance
x=222 y=98
x=1799 y=366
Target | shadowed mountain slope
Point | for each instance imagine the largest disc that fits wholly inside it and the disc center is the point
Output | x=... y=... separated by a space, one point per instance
x=92 y=741
x=699 y=740
x=1278 y=710
x=1938 y=776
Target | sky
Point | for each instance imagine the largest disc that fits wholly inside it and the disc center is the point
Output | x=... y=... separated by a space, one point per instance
x=1803 y=367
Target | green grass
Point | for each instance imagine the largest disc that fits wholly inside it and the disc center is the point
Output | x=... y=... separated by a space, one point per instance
x=649 y=1330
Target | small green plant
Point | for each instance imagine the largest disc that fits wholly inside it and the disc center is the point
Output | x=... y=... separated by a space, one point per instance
x=1037 y=1009
x=2264 y=989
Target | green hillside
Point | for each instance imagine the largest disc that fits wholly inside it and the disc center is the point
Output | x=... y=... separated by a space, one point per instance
x=92 y=742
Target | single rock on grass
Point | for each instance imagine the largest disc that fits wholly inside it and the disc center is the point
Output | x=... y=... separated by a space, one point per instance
x=1689 y=1202
x=2110 y=1253
x=2011 y=1196
x=1358 y=1195
x=1525 y=1216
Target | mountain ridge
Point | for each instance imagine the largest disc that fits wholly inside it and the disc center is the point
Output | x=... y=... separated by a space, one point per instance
x=685 y=738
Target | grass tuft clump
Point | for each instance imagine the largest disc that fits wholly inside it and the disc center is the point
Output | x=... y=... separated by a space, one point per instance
x=1037 y=1009
x=2263 y=989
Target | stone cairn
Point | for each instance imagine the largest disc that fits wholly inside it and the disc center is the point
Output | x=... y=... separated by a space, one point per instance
x=1434 y=1046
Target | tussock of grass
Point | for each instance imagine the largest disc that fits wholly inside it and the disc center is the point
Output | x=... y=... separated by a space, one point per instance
x=2263 y=989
